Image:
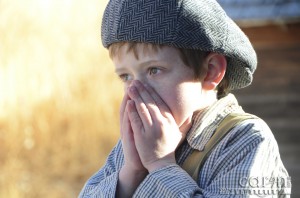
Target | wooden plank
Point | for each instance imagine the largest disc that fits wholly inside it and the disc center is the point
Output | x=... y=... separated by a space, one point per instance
x=277 y=73
x=274 y=35
x=275 y=93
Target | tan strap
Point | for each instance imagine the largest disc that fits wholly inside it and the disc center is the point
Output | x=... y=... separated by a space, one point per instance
x=196 y=159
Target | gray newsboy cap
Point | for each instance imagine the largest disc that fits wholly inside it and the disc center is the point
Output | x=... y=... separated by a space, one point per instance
x=191 y=24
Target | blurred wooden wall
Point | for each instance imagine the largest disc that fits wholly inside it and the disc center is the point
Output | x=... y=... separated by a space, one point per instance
x=275 y=92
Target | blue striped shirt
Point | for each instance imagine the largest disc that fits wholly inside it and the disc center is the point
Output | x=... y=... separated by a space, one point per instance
x=245 y=163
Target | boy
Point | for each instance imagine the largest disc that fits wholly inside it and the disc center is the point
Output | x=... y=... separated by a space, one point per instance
x=178 y=60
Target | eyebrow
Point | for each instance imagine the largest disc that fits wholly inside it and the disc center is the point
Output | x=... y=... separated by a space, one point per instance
x=119 y=70
x=143 y=64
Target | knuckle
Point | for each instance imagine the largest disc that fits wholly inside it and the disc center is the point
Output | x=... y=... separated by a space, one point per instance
x=160 y=123
x=152 y=106
x=134 y=117
x=136 y=120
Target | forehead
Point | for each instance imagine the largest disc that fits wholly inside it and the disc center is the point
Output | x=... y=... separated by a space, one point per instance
x=127 y=55
x=131 y=47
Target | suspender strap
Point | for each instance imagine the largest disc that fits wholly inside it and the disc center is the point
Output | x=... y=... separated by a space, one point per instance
x=196 y=159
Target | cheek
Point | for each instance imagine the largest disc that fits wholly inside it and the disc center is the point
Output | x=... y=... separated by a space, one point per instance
x=182 y=100
x=169 y=95
x=175 y=99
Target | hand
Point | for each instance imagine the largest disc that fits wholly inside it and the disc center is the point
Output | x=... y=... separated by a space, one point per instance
x=156 y=134
x=133 y=172
x=132 y=159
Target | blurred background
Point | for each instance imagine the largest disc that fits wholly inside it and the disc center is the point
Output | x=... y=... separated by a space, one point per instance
x=59 y=97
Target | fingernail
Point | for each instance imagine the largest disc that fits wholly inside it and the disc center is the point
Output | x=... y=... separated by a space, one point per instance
x=131 y=106
x=132 y=89
x=138 y=84
x=129 y=102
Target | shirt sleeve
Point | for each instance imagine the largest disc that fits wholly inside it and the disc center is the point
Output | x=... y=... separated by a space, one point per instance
x=104 y=182
x=170 y=181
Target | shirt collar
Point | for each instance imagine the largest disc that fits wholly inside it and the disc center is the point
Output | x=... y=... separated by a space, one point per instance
x=205 y=121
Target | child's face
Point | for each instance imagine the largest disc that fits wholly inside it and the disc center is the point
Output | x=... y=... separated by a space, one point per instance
x=163 y=70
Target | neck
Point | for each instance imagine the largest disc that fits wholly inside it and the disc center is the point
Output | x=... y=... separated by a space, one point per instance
x=208 y=98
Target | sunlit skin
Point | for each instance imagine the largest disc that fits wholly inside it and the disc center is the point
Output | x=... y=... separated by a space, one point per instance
x=161 y=95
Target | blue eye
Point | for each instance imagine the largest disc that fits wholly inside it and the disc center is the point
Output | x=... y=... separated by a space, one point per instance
x=154 y=70
x=124 y=77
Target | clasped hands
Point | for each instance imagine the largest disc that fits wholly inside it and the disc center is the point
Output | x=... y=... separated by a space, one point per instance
x=149 y=133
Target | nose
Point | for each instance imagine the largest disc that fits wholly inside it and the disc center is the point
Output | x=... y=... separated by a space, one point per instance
x=142 y=79
x=134 y=82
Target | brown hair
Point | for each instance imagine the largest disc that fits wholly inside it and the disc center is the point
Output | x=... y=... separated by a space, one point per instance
x=190 y=57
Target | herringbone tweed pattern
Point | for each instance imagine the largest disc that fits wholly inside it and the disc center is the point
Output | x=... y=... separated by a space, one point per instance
x=192 y=24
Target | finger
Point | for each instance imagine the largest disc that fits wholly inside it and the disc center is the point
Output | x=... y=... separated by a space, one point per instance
x=128 y=142
x=147 y=99
x=162 y=106
x=123 y=106
x=125 y=123
x=140 y=106
x=134 y=118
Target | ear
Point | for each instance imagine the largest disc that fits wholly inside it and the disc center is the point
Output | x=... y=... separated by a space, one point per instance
x=215 y=65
